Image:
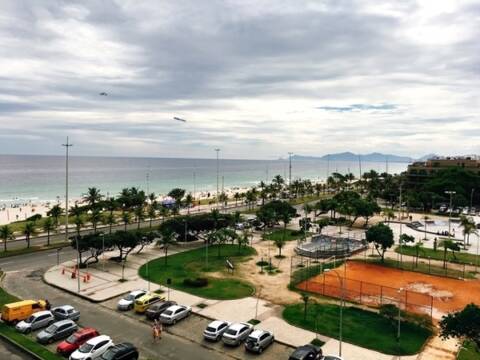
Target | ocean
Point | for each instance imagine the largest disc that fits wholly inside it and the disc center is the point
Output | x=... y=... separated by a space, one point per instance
x=42 y=178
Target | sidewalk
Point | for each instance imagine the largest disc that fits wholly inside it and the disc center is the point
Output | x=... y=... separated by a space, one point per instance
x=105 y=283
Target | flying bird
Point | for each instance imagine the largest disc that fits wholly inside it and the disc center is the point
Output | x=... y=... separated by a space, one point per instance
x=179 y=119
x=103 y=94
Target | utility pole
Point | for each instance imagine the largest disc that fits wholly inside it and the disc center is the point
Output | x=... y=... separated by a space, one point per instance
x=401 y=213
x=218 y=169
x=451 y=193
x=67 y=145
x=360 y=167
x=290 y=172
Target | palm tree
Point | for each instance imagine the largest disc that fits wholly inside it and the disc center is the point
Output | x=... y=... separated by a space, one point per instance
x=188 y=202
x=140 y=215
x=469 y=228
x=286 y=218
x=29 y=230
x=448 y=244
x=151 y=214
x=237 y=197
x=78 y=221
x=167 y=238
x=92 y=197
x=95 y=218
x=6 y=233
x=164 y=212
x=55 y=212
x=48 y=226
x=245 y=238
x=109 y=219
x=418 y=248
x=126 y=218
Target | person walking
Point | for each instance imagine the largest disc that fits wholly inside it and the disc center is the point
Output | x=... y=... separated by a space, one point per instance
x=160 y=329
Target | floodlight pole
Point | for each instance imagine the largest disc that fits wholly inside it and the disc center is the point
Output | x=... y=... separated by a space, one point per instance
x=451 y=193
x=342 y=302
x=290 y=173
x=67 y=145
x=218 y=169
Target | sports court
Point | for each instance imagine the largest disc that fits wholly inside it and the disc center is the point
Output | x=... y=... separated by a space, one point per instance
x=372 y=284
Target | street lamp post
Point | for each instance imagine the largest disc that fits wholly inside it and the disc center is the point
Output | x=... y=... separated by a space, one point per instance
x=290 y=173
x=67 y=145
x=217 y=151
x=399 y=314
x=451 y=193
x=342 y=302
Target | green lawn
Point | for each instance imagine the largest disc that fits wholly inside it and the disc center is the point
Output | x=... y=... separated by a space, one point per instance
x=360 y=327
x=289 y=235
x=21 y=339
x=460 y=257
x=191 y=264
x=468 y=352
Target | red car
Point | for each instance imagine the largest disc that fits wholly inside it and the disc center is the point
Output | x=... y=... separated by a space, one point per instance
x=75 y=340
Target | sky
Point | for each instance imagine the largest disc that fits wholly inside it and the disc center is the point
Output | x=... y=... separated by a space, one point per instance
x=255 y=78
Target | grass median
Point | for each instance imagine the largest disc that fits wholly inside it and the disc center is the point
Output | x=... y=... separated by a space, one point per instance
x=360 y=327
x=20 y=339
x=468 y=352
x=289 y=235
x=192 y=265
x=425 y=253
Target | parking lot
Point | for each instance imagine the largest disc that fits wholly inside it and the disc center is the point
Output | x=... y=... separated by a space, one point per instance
x=192 y=327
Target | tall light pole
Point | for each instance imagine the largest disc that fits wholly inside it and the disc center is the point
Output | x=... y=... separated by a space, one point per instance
x=67 y=145
x=451 y=193
x=400 y=209
x=342 y=302
x=218 y=169
x=290 y=173
x=399 y=313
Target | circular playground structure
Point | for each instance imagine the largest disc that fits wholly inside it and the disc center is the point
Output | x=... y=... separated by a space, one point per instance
x=325 y=246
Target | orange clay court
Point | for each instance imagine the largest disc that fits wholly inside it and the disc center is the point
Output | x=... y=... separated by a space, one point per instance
x=424 y=293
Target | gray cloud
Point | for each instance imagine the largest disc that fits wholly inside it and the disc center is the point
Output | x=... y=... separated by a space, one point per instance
x=250 y=76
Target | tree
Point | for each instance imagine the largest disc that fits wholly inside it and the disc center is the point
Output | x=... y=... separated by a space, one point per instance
x=140 y=215
x=6 y=233
x=418 y=248
x=48 y=226
x=464 y=324
x=322 y=223
x=78 y=221
x=109 y=219
x=29 y=230
x=305 y=299
x=280 y=243
x=55 y=212
x=237 y=197
x=188 y=202
x=389 y=214
x=167 y=238
x=469 y=227
x=177 y=194
x=125 y=242
x=151 y=214
x=92 y=197
x=126 y=218
x=448 y=244
x=382 y=237
x=95 y=218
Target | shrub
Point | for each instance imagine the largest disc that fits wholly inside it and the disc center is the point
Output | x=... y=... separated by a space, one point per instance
x=34 y=218
x=198 y=282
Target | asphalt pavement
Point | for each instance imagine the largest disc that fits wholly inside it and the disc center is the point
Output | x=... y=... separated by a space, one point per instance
x=10 y=352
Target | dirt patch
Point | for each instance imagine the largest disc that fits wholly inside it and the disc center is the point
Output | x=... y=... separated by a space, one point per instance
x=424 y=288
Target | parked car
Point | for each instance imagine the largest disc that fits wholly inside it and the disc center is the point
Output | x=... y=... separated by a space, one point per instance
x=93 y=348
x=215 y=330
x=259 y=340
x=66 y=312
x=175 y=313
x=36 y=321
x=14 y=312
x=128 y=301
x=236 y=333
x=57 y=331
x=332 y=357
x=123 y=351
x=306 y=352
x=144 y=302
x=75 y=340
x=154 y=311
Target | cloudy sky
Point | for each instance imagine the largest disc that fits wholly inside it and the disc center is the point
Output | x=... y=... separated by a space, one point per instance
x=256 y=78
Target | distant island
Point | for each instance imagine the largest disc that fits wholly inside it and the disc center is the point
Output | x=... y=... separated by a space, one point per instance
x=373 y=157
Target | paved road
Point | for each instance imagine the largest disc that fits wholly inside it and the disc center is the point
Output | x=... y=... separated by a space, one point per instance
x=9 y=352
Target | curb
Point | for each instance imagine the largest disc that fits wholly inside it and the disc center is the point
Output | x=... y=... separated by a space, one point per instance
x=84 y=297
x=20 y=347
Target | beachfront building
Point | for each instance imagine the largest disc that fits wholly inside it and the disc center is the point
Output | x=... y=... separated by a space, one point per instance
x=420 y=170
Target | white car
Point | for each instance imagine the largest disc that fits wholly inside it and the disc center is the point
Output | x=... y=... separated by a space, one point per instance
x=93 y=348
x=127 y=302
x=36 y=321
x=175 y=313
x=215 y=330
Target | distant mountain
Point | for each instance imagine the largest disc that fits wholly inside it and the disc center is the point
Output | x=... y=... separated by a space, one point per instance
x=426 y=157
x=349 y=156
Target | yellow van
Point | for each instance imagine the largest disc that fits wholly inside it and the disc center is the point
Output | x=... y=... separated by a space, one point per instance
x=14 y=312
x=142 y=304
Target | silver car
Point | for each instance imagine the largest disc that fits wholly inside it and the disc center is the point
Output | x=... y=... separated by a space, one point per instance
x=65 y=312
x=215 y=330
x=258 y=341
x=175 y=313
x=236 y=333
x=36 y=321
x=57 y=331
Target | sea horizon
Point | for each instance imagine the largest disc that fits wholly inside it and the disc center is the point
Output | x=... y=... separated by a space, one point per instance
x=41 y=178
